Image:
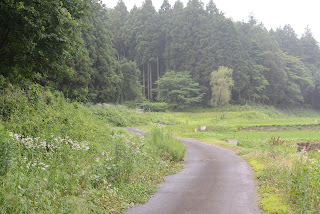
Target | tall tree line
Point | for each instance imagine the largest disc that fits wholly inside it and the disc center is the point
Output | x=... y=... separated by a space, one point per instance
x=271 y=67
x=64 y=45
x=98 y=54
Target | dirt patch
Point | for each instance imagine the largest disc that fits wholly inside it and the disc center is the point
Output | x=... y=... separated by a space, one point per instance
x=281 y=128
x=309 y=146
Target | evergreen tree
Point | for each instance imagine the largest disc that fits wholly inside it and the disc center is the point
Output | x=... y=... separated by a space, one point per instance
x=130 y=86
x=311 y=58
x=288 y=40
x=37 y=38
x=75 y=85
x=105 y=82
x=116 y=19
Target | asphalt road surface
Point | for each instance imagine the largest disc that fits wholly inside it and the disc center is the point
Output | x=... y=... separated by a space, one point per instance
x=214 y=181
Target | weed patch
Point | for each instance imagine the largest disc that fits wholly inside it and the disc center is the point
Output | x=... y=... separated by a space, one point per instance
x=61 y=157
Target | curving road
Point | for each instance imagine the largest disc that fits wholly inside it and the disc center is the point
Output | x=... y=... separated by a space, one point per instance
x=214 y=181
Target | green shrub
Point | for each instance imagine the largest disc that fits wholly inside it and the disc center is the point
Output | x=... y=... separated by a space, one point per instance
x=155 y=107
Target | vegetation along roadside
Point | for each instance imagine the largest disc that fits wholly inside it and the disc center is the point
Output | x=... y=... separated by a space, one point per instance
x=287 y=174
x=61 y=157
x=63 y=151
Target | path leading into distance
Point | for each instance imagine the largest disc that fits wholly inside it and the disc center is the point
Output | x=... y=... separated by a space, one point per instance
x=214 y=181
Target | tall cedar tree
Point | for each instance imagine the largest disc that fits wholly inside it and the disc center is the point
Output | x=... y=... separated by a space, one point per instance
x=37 y=38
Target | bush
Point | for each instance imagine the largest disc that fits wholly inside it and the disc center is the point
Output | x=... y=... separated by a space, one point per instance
x=155 y=107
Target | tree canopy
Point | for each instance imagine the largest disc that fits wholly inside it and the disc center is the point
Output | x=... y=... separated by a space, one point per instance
x=98 y=54
x=179 y=89
x=38 y=37
x=221 y=85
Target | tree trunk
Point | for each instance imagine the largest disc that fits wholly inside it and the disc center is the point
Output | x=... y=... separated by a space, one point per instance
x=158 y=73
x=222 y=111
x=151 y=98
x=143 y=82
x=148 y=78
x=221 y=105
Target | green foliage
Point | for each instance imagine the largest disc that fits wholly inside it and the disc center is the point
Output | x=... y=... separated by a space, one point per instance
x=166 y=146
x=37 y=38
x=155 y=107
x=221 y=83
x=116 y=18
x=271 y=203
x=131 y=87
x=179 y=89
x=111 y=115
x=105 y=82
x=7 y=152
x=42 y=131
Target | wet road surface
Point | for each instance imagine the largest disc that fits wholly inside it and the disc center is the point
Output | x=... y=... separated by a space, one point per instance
x=214 y=181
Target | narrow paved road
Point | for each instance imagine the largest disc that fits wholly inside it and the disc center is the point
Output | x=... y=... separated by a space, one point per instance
x=214 y=181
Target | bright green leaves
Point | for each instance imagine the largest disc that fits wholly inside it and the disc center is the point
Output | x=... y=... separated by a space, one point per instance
x=221 y=84
x=179 y=89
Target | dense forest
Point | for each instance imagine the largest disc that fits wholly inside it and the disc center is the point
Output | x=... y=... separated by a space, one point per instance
x=96 y=54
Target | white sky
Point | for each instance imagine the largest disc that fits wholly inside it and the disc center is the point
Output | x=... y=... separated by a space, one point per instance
x=272 y=13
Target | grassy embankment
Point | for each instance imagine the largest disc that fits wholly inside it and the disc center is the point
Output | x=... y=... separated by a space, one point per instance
x=61 y=157
x=288 y=180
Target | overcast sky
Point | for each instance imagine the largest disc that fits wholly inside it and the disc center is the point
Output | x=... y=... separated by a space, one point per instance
x=272 y=13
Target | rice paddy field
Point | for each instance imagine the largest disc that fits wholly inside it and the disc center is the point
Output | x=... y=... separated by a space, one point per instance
x=63 y=157
x=288 y=180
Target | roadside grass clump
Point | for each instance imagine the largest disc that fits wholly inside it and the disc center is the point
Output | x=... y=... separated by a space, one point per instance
x=121 y=116
x=166 y=146
x=304 y=191
x=288 y=180
x=62 y=157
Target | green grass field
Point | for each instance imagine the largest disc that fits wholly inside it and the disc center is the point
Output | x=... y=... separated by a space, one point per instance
x=288 y=180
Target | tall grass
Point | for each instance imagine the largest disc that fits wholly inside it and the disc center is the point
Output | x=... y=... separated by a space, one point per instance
x=294 y=176
x=164 y=145
x=61 y=157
